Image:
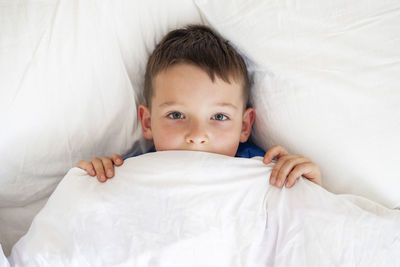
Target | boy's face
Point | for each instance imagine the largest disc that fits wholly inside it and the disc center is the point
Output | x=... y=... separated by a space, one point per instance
x=190 y=112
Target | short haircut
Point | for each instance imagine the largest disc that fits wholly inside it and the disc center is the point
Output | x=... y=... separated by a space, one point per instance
x=201 y=46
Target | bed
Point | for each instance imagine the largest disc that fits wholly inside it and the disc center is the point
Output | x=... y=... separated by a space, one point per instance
x=325 y=85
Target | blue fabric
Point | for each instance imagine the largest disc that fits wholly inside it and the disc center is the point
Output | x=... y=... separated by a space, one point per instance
x=245 y=150
x=249 y=150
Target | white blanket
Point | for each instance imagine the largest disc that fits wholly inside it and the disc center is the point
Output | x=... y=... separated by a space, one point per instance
x=185 y=208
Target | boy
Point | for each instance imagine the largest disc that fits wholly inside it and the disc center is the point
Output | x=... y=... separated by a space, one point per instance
x=197 y=90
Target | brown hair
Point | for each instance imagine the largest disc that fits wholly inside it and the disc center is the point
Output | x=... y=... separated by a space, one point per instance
x=203 y=47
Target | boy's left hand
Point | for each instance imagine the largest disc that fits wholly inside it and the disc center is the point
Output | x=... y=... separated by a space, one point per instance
x=289 y=168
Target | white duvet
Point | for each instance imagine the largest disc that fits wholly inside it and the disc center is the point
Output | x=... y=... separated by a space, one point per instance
x=185 y=208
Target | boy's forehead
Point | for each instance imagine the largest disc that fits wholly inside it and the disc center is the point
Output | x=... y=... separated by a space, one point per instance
x=183 y=80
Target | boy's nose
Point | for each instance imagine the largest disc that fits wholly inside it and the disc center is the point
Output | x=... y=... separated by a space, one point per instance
x=196 y=135
x=196 y=139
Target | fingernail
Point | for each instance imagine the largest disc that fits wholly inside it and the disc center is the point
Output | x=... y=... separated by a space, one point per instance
x=118 y=161
x=92 y=173
x=273 y=180
x=109 y=173
x=279 y=183
x=103 y=178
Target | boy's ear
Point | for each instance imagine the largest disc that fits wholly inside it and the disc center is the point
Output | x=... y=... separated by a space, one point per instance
x=248 y=119
x=145 y=121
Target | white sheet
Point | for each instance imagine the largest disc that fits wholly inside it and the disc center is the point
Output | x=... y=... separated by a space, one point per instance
x=185 y=208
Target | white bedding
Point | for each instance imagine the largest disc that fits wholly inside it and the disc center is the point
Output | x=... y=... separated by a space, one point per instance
x=185 y=208
x=326 y=86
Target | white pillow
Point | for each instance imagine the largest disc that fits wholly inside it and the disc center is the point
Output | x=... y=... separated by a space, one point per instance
x=327 y=84
x=71 y=76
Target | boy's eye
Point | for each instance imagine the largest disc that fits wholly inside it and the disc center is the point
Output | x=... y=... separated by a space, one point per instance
x=219 y=117
x=176 y=115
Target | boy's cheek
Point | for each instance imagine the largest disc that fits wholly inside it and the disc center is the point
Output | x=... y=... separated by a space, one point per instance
x=166 y=138
x=226 y=141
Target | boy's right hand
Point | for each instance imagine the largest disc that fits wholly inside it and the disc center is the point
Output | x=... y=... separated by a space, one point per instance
x=103 y=168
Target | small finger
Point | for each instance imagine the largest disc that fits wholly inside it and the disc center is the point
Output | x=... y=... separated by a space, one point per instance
x=274 y=152
x=108 y=167
x=287 y=167
x=312 y=173
x=87 y=166
x=296 y=173
x=275 y=170
x=117 y=159
x=99 y=168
